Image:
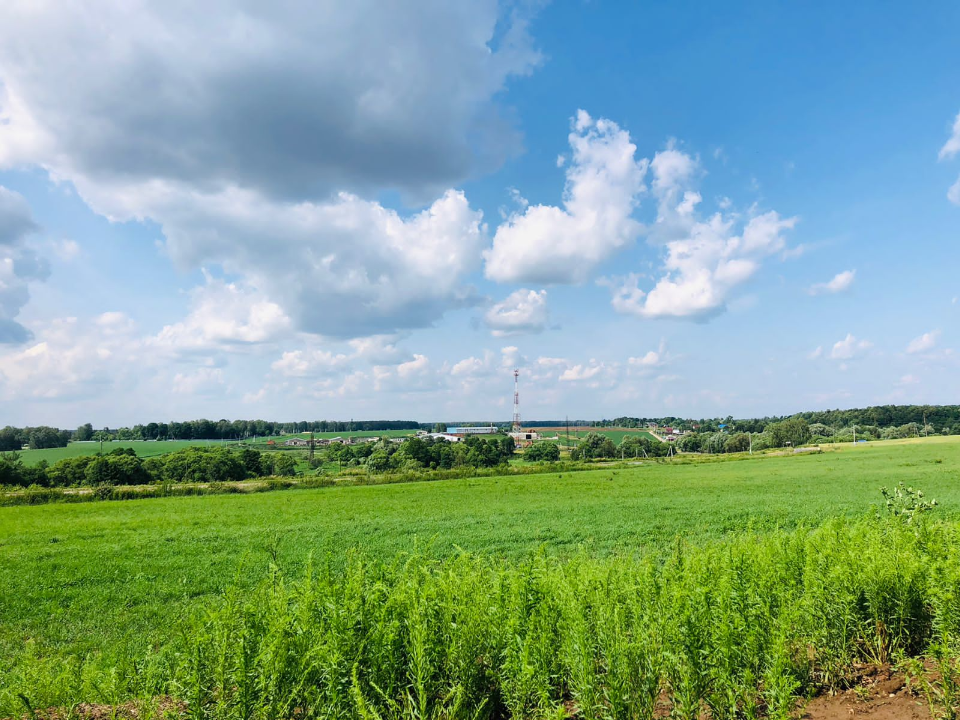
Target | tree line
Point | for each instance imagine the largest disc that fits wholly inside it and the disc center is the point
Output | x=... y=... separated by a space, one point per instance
x=423 y=453
x=34 y=438
x=122 y=466
x=939 y=419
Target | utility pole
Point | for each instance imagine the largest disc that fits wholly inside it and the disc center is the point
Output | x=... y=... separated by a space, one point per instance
x=854 y=434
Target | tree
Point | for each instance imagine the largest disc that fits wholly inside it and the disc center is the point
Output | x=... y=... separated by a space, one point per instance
x=595 y=445
x=378 y=462
x=543 y=451
x=284 y=465
x=10 y=439
x=84 y=432
x=440 y=427
x=795 y=432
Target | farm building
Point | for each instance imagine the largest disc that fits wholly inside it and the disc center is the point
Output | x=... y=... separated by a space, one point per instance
x=524 y=436
x=471 y=430
x=297 y=442
x=443 y=436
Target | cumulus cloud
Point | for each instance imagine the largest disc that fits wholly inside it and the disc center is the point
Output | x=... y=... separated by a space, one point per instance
x=953 y=194
x=840 y=282
x=344 y=268
x=923 y=343
x=250 y=137
x=202 y=381
x=224 y=314
x=307 y=363
x=294 y=100
x=649 y=361
x=849 y=348
x=73 y=359
x=20 y=264
x=522 y=311
x=705 y=259
x=550 y=244
x=952 y=146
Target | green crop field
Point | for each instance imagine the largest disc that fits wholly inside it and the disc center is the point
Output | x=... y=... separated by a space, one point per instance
x=143 y=448
x=331 y=435
x=102 y=570
x=615 y=434
x=97 y=577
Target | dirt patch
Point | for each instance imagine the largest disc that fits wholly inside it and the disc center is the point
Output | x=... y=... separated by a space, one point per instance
x=878 y=693
x=163 y=708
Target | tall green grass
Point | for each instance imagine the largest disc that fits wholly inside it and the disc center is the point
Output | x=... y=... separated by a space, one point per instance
x=737 y=628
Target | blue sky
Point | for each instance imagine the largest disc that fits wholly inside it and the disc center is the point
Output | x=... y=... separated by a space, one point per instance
x=368 y=211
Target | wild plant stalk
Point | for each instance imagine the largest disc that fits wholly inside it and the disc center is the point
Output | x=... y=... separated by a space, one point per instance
x=737 y=629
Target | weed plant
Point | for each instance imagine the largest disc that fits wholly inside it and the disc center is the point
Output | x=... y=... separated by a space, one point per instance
x=736 y=628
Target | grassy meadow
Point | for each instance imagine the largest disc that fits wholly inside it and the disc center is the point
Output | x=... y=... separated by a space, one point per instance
x=103 y=577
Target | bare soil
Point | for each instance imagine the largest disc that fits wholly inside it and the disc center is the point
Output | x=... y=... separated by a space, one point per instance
x=879 y=693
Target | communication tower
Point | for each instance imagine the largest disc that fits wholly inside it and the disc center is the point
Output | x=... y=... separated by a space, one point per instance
x=516 y=400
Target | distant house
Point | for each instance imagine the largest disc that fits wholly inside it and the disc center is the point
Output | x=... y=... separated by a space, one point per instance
x=297 y=442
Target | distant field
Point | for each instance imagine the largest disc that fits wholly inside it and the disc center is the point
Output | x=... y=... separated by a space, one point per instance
x=330 y=435
x=150 y=448
x=88 y=576
x=143 y=448
x=615 y=434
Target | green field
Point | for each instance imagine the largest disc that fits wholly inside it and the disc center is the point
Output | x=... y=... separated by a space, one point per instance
x=143 y=448
x=87 y=576
x=151 y=448
x=331 y=435
x=615 y=434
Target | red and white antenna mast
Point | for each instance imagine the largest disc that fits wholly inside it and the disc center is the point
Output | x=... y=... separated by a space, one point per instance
x=516 y=400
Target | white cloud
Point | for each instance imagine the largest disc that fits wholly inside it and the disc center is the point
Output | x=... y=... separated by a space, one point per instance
x=849 y=348
x=706 y=260
x=815 y=353
x=549 y=244
x=202 y=381
x=296 y=101
x=909 y=380
x=253 y=124
x=522 y=311
x=72 y=359
x=649 y=361
x=224 y=314
x=840 y=282
x=923 y=343
x=416 y=375
x=309 y=363
x=20 y=264
x=953 y=194
x=379 y=349
x=952 y=146
x=344 y=268
x=67 y=250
